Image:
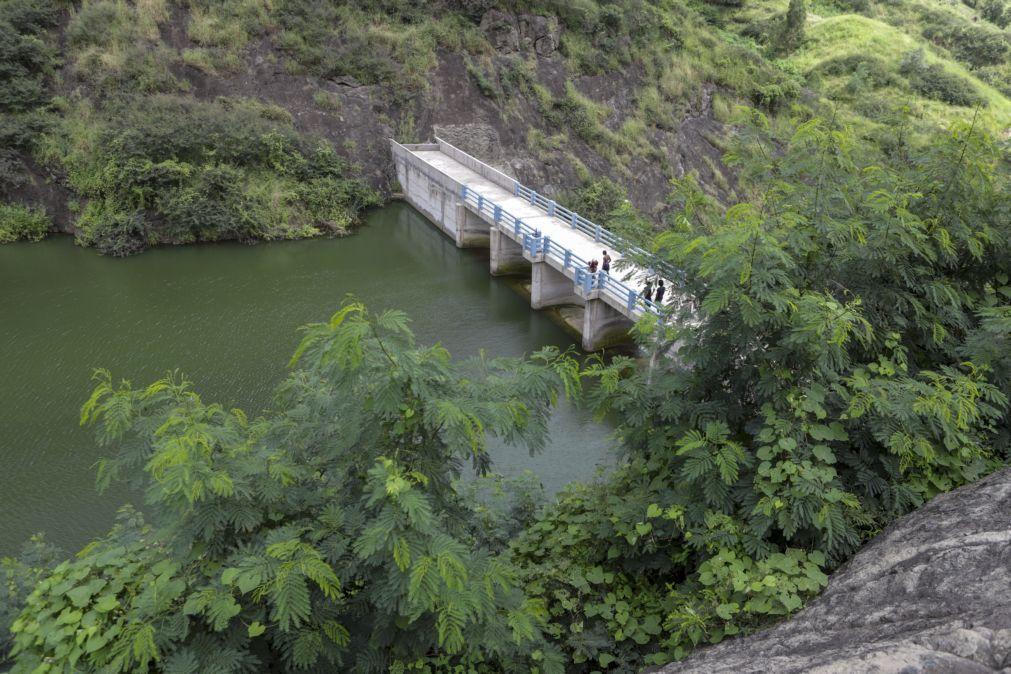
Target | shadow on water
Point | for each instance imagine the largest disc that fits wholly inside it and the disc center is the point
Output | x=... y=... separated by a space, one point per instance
x=227 y=315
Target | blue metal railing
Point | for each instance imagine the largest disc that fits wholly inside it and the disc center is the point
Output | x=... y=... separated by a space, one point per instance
x=590 y=228
x=536 y=243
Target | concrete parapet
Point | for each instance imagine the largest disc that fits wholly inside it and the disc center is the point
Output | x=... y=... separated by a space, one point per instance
x=550 y=287
x=506 y=255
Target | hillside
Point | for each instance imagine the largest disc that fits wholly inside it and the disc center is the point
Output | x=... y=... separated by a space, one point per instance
x=137 y=123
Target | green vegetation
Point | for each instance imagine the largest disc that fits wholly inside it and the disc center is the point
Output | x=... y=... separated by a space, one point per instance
x=327 y=533
x=27 y=61
x=844 y=357
x=22 y=223
x=846 y=312
x=168 y=169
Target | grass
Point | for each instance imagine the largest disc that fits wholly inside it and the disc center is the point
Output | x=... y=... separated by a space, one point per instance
x=852 y=34
x=328 y=101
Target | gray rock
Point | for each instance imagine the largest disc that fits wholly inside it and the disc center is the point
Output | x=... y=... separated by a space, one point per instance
x=479 y=140
x=932 y=593
x=501 y=31
x=539 y=33
x=509 y=33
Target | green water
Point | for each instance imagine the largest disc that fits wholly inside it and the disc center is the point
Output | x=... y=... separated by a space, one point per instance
x=227 y=316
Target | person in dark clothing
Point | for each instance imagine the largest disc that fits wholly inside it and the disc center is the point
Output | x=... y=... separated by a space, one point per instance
x=606 y=266
x=660 y=290
x=592 y=266
x=647 y=290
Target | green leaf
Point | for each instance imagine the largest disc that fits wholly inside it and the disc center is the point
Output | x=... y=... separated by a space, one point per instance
x=255 y=629
x=727 y=611
x=107 y=603
x=824 y=452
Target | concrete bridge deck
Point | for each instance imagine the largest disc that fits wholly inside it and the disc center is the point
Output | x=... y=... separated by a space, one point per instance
x=478 y=205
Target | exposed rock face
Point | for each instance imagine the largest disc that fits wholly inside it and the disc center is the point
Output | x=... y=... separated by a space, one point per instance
x=509 y=34
x=930 y=594
x=480 y=140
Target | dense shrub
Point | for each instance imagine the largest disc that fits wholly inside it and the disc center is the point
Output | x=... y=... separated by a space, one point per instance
x=597 y=199
x=116 y=47
x=574 y=111
x=26 y=62
x=18 y=578
x=934 y=81
x=97 y=23
x=774 y=96
x=996 y=12
x=18 y=222
x=169 y=169
x=998 y=77
x=977 y=45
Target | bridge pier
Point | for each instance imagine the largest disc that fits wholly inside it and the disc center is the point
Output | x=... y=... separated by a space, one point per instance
x=506 y=255
x=471 y=229
x=550 y=287
x=603 y=326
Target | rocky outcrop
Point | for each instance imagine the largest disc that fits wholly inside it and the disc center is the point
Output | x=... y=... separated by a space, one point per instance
x=509 y=33
x=930 y=594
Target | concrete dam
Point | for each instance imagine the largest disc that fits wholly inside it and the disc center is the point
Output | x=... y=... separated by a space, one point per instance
x=477 y=205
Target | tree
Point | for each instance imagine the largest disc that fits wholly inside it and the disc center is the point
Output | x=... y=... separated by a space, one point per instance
x=326 y=534
x=842 y=356
x=995 y=12
x=793 y=24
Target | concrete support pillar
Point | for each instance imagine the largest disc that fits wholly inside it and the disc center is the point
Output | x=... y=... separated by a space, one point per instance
x=506 y=255
x=603 y=326
x=550 y=287
x=471 y=230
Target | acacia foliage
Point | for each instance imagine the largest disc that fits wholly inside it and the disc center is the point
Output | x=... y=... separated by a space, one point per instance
x=843 y=347
x=325 y=535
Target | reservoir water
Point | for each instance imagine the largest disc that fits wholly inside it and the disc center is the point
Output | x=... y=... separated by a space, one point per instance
x=227 y=316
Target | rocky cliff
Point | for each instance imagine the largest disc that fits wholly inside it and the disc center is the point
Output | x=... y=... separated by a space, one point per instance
x=929 y=594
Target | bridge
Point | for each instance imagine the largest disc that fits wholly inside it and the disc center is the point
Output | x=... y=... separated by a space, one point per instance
x=478 y=206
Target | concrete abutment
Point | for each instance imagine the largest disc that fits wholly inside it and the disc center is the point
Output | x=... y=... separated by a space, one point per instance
x=506 y=255
x=550 y=287
x=603 y=326
x=471 y=230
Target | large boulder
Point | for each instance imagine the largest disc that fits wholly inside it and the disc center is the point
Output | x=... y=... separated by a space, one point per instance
x=932 y=593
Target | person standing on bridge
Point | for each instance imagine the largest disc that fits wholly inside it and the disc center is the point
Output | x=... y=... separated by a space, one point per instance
x=660 y=290
x=647 y=290
x=606 y=265
x=592 y=267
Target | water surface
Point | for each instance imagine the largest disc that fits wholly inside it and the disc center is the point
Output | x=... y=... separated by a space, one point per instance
x=227 y=316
